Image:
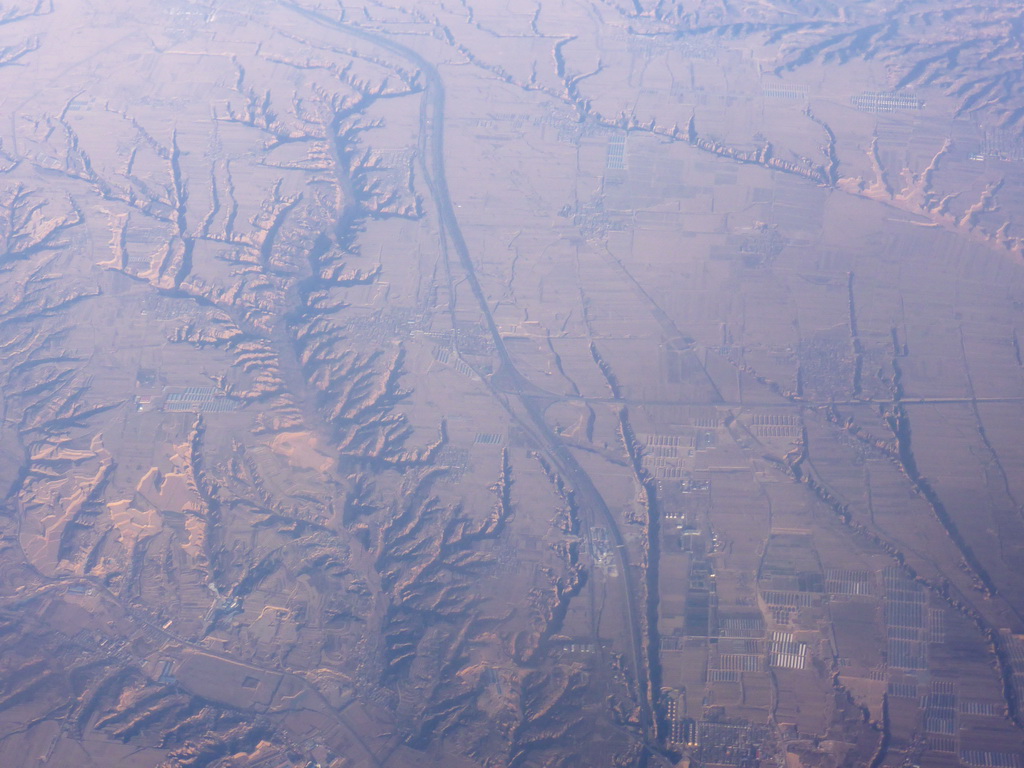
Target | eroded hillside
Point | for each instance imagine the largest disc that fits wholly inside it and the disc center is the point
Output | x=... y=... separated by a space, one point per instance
x=533 y=384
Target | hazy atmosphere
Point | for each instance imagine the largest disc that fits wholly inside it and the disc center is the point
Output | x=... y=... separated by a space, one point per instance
x=511 y=384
